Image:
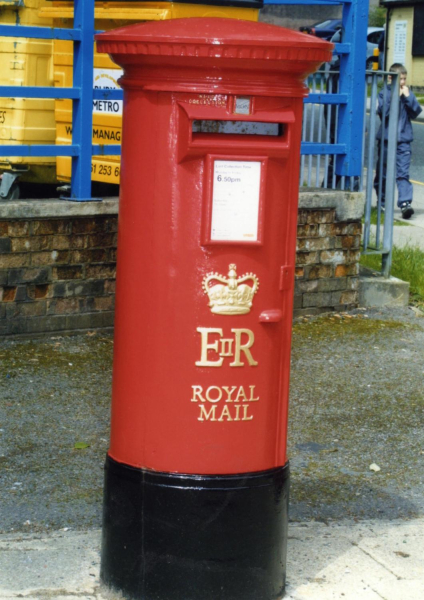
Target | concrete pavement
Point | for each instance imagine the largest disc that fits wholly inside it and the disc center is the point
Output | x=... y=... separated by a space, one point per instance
x=417 y=220
x=413 y=232
x=371 y=560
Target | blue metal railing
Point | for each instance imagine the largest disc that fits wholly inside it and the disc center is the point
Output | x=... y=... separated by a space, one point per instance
x=378 y=238
x=81 y=94
x=348 y=146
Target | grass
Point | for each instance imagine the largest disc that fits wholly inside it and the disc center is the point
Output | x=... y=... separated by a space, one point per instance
x=374 y=219
x=407 y=264
x=379 y=88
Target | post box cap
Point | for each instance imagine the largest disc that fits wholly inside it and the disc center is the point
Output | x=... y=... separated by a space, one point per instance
x=213 y=37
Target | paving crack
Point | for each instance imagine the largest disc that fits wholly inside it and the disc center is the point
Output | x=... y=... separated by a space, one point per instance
x=377 y=561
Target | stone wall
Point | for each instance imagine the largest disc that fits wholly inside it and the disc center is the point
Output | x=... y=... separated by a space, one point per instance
x=57 y=261
x=326 y=263
x=328 y=252
x=57 y=266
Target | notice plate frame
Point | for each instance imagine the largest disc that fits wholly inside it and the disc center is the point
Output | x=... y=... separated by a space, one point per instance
x=208 y=199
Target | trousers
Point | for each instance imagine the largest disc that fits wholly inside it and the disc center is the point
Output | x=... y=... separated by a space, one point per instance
x=403 y=162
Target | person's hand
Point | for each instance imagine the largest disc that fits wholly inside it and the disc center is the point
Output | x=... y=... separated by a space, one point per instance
x=404 y=90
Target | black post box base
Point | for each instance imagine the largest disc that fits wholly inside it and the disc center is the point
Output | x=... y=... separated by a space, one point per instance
x=194 y=537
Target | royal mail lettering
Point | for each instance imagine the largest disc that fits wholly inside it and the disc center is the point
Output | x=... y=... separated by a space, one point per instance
x=215 y=348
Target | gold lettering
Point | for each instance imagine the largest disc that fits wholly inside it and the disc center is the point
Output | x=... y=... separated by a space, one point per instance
x=229 y=350
x=245 y=417
x=204 y=362
x=252 y=391
x=229 y=392
x=243 y=348
x=241 y=394
x=226 y=412
x=197 y=391
x=213 y=400
x=214 y=395
x=206 y=414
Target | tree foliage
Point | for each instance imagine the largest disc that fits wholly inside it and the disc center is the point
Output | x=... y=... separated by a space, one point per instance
x=377 y=16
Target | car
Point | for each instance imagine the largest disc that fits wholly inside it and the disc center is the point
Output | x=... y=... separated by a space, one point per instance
x=375 y=39
x=323 y=29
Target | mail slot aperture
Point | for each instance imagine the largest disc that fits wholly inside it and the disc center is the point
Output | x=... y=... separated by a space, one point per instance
x=247 y=128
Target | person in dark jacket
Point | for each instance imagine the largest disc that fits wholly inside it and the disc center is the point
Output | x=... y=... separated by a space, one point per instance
x=408 y=109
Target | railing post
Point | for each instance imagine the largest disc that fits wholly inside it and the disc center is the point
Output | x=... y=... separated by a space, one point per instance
x=370 y=164
x=390 y=176
x=352 y=83
x=82 y=114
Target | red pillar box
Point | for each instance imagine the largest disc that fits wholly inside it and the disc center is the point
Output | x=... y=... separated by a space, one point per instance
x=196 y=489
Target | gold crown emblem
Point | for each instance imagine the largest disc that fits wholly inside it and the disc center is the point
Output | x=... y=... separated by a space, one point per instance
x=232 y=296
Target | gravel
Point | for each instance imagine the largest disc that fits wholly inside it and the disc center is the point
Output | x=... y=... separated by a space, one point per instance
x=356 y=400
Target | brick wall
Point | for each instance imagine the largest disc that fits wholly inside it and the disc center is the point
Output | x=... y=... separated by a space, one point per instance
x=327 y=262
x=57 y=261
x=57 y=274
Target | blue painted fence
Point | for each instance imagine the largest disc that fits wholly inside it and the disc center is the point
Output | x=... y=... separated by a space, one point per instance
x=350 y=96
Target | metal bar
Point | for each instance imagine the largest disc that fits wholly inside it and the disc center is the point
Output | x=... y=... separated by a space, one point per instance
x=326 y=99
x=374 y=251
x=336 y=129
x=329 y=161
x=320 y=119
x=14 y=91
x=40 y=33
x=311 y=131
x=13 y=4
x=342 y=48
x=308 y=148
x=370 y=164
x=39 y=150
x=302 y=156
x=314 y=2
x=383 y=160
x=108 y=94
x=327 y=117
x=82 y=109
x=391 y=175
x=352 y=83
x=364 y=137
x=106 y=150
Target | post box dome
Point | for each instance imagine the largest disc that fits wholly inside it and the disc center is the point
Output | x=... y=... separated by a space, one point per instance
x=214 y=54
x=214 y=37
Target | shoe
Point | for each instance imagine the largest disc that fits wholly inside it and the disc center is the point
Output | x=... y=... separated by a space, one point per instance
x=382 y=207
x=407 y=210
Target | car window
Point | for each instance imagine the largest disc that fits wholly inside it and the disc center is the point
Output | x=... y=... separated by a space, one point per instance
x=374 y=37
x=324 y=24
x=337 y=37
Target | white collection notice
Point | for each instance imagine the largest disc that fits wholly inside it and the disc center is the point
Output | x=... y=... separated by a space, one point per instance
x=399 y=50
x=235 y=200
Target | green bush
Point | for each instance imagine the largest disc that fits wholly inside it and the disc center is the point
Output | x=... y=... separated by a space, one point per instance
x=377 y=16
